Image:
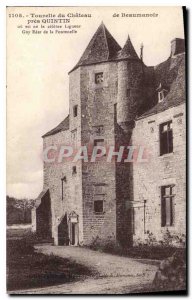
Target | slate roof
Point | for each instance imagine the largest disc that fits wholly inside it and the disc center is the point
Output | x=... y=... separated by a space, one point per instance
x=64 y=125
x=170 y=73
x=101 y=48
x=128 y=51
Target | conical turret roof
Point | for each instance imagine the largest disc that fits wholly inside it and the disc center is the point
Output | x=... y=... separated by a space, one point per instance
x=102 y=47
x=128 y=50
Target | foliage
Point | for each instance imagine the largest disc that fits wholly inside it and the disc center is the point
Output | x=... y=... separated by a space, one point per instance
x=171 y=274
x=150 y=250
x=168 y=240
x=19 y=210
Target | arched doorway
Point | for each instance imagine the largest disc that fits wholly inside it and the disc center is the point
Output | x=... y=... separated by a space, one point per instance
x=73 y=228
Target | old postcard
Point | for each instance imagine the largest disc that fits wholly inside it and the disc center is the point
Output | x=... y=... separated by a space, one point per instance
x=96 y=150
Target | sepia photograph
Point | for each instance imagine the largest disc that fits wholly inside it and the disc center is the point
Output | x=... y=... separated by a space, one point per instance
x=96 y=150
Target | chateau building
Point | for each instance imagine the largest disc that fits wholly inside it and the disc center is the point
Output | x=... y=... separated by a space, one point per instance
x=116 y=100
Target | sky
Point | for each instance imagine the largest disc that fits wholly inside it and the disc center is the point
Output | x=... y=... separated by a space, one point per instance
x=37 y=76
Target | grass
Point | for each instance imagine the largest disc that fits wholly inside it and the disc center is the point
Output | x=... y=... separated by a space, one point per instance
x=151 y=252
x=17 y=233
x=29 y=269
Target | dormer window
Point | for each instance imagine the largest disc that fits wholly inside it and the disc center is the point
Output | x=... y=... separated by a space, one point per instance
x=161 y=96
x=162 y=92
x=99 y=78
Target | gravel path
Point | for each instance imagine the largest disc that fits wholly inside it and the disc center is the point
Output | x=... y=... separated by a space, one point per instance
x=114 y=274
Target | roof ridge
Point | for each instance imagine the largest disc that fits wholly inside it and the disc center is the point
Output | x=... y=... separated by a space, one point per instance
x=62 y=126
x=104 y=29
x=128 y=50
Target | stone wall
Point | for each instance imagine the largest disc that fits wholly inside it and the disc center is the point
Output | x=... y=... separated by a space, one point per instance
x=97 y=104
x=100 y=115
x=75 y=182
x=163 y=170
x=53 y=173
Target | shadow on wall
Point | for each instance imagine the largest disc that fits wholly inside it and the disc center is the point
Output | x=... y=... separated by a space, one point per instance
x=43 y=217
x=124 y=187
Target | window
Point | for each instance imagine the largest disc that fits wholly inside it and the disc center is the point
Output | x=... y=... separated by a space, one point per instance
x=62 y=186
x=64 y=179
x=166 y=138
x=99 y=78
x=98 y=129
x=98 y=142
x=133 y=220
x=62 y=196
x=167 y=205
x=74 y=170
x=74 y=138
x=75 y=109
x=98 y=206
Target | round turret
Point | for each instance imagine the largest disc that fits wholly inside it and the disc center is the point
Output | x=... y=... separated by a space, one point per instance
x=130 y=76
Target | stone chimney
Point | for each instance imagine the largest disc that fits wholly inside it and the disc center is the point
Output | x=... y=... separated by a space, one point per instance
x=177 y=46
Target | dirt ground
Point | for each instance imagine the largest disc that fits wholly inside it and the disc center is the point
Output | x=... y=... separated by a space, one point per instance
x=113 y=274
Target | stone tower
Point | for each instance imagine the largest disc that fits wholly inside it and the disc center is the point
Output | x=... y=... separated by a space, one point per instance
x=89 y=199
x=130 y=77
x=105 y=88
x=130 y=82
x=93 y=85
